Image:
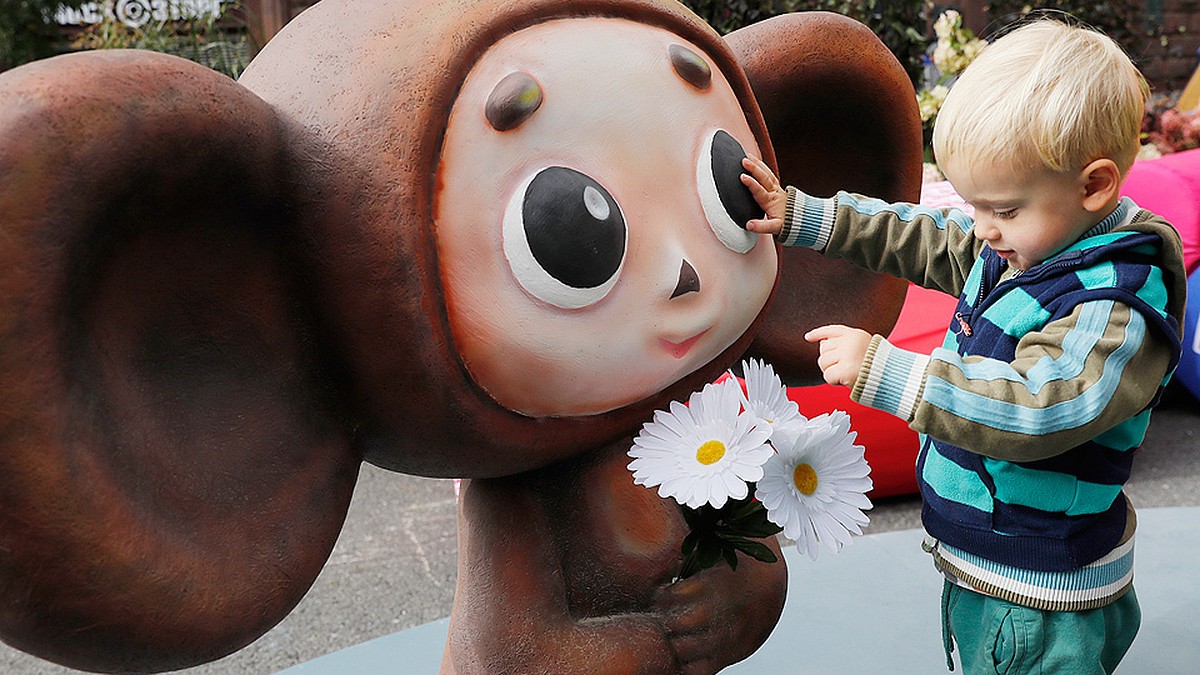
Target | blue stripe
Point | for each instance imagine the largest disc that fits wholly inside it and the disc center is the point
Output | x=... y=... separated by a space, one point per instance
x=1082 y=339
x=955 y=483
x=869 y=206
x=1040 y=421
x=1127 y=435
x=812 y=221
x=974 y=280
x=808 y=224
x=897 y=369
x=1082 y=579
x=1088 y=243
x=1022 y=312
x=1049 y=491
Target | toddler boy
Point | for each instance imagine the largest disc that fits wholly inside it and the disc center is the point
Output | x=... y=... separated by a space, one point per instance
x=1067 y=328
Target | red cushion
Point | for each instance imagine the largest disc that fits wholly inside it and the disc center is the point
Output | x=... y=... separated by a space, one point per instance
x=891 y=447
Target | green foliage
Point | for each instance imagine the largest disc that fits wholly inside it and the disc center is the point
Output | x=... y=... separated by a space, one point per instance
x=719 y=534
x=201 y=39
x=28 y=31
x=898 y=23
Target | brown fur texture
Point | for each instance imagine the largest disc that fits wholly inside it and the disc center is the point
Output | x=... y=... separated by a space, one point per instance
x=218 y=298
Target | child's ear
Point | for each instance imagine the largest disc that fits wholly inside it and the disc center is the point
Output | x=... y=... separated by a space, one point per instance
x=1101 y=184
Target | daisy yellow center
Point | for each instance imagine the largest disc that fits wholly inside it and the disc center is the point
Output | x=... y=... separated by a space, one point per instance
x=710 y=452
x=805 y=479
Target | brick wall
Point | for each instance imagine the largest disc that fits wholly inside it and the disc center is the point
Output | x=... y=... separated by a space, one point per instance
x=1168 y=36
x=1168 y=56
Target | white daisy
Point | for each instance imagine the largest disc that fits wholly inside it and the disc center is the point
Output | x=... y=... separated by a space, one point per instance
x=815 y=487
x=766 y=396
x=704 y=452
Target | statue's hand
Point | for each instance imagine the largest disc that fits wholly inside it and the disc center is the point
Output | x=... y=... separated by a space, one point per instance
x=720 y=616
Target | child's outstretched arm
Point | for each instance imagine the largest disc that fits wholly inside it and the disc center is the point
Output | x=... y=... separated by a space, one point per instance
x=769 y=194
x=934 y=248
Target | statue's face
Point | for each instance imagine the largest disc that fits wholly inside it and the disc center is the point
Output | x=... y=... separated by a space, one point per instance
x=589 y=217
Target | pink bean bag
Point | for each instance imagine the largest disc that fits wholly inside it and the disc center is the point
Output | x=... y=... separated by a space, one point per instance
x=1170 y=187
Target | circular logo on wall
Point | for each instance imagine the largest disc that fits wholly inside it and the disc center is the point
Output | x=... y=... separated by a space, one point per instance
x=133 y=13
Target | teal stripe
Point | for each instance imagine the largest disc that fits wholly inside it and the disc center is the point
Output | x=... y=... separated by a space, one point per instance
x=953 y=482
x=807 y=230
x=1154 y=291
x=1020 y=419
x=1127 y=435
x=1021 y=313
x=1093 y=498
x=1103 y=275
x=1088 y=243
x=1049 y=490
x=897 y=369
x=1082 y=339
x=869 y=206
x=1079 y=580
x=974 y=280
x=812 y=221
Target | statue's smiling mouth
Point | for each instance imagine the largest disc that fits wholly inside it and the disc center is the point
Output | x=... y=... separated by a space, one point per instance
x=678 y=350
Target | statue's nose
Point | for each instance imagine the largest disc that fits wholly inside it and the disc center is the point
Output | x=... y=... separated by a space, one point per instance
x=689 y=281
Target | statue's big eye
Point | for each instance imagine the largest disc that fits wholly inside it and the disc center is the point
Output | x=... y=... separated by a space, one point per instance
x=727 y=203
x=564 y=238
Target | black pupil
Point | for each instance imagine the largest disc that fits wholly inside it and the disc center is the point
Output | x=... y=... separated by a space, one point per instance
x=574 y=228
x=727 y=156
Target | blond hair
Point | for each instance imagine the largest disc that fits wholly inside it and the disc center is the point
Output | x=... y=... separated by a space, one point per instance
x=1047 y=93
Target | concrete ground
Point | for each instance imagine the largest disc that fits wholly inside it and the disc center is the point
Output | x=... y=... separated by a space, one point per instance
x=394 y=565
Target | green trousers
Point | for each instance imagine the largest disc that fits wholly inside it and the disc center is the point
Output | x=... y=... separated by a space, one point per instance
x=996 y=636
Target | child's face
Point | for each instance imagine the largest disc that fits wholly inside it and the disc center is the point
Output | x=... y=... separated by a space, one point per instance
x=1024 y=215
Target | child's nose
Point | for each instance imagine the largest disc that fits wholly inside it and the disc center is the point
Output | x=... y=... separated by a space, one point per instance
x=985 y=230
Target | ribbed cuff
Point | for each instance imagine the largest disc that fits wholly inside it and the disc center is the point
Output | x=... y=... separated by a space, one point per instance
x=808 y=221
x=891 y=379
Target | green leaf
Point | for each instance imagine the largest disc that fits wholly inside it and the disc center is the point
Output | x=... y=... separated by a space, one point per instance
x=756 y=550
x=730 y=557
x=708 y=555
x=689 y=544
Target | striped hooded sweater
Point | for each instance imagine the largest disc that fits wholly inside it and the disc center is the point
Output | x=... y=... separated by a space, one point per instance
x=1032 y=408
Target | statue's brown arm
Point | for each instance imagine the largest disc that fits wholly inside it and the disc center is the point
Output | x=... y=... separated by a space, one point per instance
x=511 y=611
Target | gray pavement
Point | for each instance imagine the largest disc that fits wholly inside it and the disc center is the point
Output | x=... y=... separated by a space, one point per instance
x=394 y=565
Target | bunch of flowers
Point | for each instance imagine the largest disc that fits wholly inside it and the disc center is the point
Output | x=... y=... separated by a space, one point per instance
x=745 y=464
x=956 y=45
x=1167 y=129
x=955 y=49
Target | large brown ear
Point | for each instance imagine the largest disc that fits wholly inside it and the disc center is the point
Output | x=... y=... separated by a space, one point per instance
x=842 y=116
x=173 y=468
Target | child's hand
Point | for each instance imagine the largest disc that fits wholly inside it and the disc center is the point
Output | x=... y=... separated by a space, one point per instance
x=769 y=194
x=842 y=352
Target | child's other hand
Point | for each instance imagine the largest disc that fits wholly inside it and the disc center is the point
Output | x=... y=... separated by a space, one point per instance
x=842 y=352
x=769 y=194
